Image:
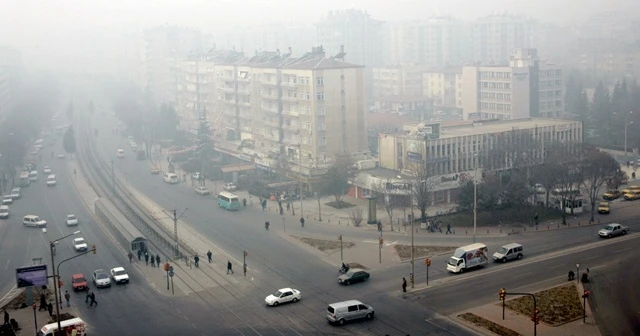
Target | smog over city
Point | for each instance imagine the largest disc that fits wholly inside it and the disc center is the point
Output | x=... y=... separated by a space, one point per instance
x=428 y=167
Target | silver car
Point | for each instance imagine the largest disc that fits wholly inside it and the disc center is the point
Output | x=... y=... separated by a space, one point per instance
x=101 y=278
x=613 y=230
x=340 y=312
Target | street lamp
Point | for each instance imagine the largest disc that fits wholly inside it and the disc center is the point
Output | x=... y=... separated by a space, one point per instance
x=626 y=125
x=52 y=247
x=577 y=272
x=413 y=259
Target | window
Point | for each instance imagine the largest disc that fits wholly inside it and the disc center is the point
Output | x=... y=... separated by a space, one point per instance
x=353 y=308
x=321 y=110
x=308 y=96
x=308 y=125
x=320 y=80
x=322 y=127
x=322 y=142
x=320 y=95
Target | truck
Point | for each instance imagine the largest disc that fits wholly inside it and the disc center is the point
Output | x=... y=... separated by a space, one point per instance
x=467 y=257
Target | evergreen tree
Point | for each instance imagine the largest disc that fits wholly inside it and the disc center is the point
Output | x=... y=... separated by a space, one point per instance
x=602 y=114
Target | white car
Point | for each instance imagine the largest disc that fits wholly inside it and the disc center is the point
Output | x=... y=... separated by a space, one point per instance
x=15 y=193
x=283 y=295
x=7 y=199
x=119 y=275
x=79 y=244
x=72 y=220
x=204 y=191
x=46 y=170
x=229 y=187
x=101 y=279
x=51 y=180
x=61 y=156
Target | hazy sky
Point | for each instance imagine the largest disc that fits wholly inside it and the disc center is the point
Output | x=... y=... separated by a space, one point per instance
x=36 y=26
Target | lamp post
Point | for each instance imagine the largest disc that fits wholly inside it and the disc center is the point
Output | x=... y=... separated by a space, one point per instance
x=300 y=180
x=412 y=249
x=577 y=273
x=56 y=281
x=626 y=125
x=475 y=203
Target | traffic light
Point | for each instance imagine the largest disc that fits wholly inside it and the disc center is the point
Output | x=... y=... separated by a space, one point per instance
x=502 y=293
x=535 y=318
x=93 y=249
x=340 y=237
x=60 y=283
x=411 y=278
x=246 y=253
x=428 y=262
x=380 y=240
x=586 y=294
x=167 y=267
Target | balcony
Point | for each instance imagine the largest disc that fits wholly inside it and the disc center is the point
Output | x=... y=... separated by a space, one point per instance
x=244 y=103
x=243 y=92
x=273 y=109
x=228 y=89
x=289 y=98
x=269 y=81
x=291 y=113
x=272 y=137
x=271 y=123
x=269 y=96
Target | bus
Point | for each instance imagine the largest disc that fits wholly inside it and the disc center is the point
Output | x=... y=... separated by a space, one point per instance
x=228 y=201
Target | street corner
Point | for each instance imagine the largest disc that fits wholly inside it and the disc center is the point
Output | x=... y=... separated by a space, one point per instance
x=421 y=252
x=325 y=246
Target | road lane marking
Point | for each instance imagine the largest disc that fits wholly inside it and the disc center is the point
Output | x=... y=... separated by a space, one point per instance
x=622 y=250
x=523 y=274
x=556 y=266
x=592 y=257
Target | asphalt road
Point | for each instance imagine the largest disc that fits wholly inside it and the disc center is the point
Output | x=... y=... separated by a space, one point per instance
x=278 y=263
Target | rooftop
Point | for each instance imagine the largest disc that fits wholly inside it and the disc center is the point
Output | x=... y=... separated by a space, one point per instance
x=495 y=126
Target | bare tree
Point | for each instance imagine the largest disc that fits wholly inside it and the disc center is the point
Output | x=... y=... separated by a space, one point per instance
x=614 y=182
x=389 y=203
x=568 y=173
x=336 y=181
x=356 y=216
x=596 y=168
x=422 y=186
x=282 y=167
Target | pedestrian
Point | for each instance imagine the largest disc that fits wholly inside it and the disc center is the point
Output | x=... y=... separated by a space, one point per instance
x=196 y=260
x=43 y=302
x=536 y=218
x=6 y=317
x=404 y=285
x=449 y=229
x=87 y=296
x=379 y=223
x=288 y=206
x=158 y=260
x=264 y=204
x=93 y=300
x=130 y=255
x=571 y=276
x=67 y=297
x=139 y=254
x=302 y=221
x=244 y=202
x=209 y=255
x=229 y=267
x=153 y=261
x=50 y=309
x=146 y=257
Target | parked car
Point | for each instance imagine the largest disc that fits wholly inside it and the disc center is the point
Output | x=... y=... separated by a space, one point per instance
x=354 y=275
x=604 y=208
x=632 y=195
x=72 y=220
x=612 y=194
x=79 y=244
x=119 y=275
x=79 y=282
x=204 y=191
x=229 y=186
x=613 y=230
x=283 y=295
x=101 y=279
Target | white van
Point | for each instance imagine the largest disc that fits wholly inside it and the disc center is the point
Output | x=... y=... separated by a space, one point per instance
x=51 y=180
x=74 y=326
x=508 y=252
x=340 y=312
x=170 y=178
x=33 y=220
x=120 y=153
x=33 y=175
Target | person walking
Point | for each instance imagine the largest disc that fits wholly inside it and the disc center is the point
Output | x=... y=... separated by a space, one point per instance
x=449 y=229
x=50 y=309
x=404 y=285
x=93 y=300
x=209 y=255
x=229 y=267
x=130 y=255
x=67 y=297
x=87 y=296
x=158 y=260
x=153 y=261
x=196 y=260
x=6 y=317
x=302 y=221
x=139 y=254
x=146 y=257
x=43 y=302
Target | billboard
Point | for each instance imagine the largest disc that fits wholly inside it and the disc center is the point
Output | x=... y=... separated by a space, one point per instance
x=32 y=276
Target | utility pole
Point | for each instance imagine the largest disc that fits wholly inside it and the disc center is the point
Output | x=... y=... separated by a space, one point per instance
x=113 y=180
x=300 y=182
x=173 y=214
x=412 y=248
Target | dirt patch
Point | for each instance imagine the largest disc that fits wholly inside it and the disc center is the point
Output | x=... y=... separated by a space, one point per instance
x=404 y=251
x=486 y=324
x=557 y=306
x=324 y=245
x=339 y=205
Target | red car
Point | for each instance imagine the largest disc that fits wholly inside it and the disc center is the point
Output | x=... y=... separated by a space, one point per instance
x=79 y=282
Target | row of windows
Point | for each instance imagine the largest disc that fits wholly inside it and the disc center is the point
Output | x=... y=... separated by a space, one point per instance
x=494 y=85
x=496 y=106
x=545 y=105
x=551 y=94
x=493 y=95
x=550 y=73
x=551 y=83
x=495 y=74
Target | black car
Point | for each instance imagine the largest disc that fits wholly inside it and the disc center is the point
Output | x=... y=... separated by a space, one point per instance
x=354 y=275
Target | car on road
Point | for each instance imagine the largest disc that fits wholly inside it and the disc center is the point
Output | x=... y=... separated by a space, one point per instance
x=203 y=191
x=283 y=295
x=630 y=189
x=33 y=220
x=509 y=252
x=340 y=312
x=7 y=199
x=46 y=170
x=604 y=208
x=229 y=186
x=61 y=156
x=632 y=195
x=354 y=275
x=101 y=278
x=15 y=193
x=121 y=153
x=4 y=211
x=72 y=220
x=119 y=275
x=79 y=244
x=612 y=194
x=154 y=170
x=79 y=282
x=613 y=230
x=51 y=180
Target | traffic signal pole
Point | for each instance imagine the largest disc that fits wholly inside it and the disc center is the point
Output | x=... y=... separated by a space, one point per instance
x=535 y=318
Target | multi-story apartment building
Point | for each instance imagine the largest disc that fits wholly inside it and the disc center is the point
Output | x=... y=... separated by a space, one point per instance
x=444 y=86
x=5 y=92
x=164 y=48
x=525 y=88
x=357 y=32
x=398 y=80
x=286 y=38
x=457 y=153
x=10 y=72
x=494 y=37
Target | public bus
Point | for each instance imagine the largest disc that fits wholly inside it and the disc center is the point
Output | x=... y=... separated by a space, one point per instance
x=228 y=201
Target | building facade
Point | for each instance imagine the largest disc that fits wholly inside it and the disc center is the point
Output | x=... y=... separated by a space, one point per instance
x=399 y=80
x=495 y=37
x=444 y=86
x=525 y=88
x=454 y=154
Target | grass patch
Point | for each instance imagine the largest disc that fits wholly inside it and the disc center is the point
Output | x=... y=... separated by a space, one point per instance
x=404 y=251
x=324 y=245
x=340 y=205
x=557 y=306
x=507 y=216
x=489 y=325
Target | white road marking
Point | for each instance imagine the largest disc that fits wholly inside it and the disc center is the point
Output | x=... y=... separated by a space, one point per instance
x=556 y=266
x=622 y=250
x=392 y=243
x=592 y=257
x=370 y=241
